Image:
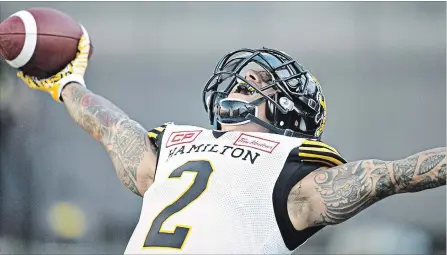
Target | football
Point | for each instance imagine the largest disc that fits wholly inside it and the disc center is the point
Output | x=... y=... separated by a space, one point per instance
x=39 y=41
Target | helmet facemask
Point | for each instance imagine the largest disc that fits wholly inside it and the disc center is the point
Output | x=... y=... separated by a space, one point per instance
x=293 y=96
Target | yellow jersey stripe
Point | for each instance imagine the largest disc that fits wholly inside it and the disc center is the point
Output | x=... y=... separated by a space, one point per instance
x=318 y=149
x=319 y=144
x=325 y=153
x=322 y=152
x=324 y=162
x=152 y=135
x=329 y=158
x=155 y=131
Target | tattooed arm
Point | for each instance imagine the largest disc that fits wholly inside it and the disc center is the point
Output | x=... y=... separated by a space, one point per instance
x=331 y=196
x=126 y=141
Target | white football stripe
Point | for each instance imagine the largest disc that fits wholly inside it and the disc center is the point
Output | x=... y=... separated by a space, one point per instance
x=30 y=39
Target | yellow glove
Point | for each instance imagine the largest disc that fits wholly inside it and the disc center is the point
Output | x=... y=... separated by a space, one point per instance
x=73 y=72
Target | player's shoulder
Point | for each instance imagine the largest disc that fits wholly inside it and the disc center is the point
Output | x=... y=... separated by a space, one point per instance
x=307 y=150
x=157 y=132
x=313 y=151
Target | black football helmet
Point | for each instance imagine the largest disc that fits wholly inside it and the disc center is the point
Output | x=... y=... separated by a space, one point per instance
x=296 y=107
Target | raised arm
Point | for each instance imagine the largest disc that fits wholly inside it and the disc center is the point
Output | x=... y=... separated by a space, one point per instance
x=334 y=195
x=126 y=141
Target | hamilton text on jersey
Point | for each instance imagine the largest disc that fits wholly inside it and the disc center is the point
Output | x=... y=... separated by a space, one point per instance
x=235 y=152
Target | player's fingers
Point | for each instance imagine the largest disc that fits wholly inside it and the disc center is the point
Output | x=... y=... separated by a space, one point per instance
x=84 y=43
x=30 y=83
x=84 y=50
x=20 y=75
x=82 y=56
x=26 y=79
x=70 y=68
x=81 y=66
x=81 y=59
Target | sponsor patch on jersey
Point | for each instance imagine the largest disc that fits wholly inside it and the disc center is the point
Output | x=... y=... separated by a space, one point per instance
x=255 y=142
x=182 y=137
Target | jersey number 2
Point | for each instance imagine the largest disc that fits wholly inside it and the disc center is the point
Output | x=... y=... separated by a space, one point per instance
x=158 y=238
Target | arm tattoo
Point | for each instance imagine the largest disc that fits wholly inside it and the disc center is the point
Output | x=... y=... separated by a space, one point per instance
x=429 y=163
x=125 y=140
x=428 y=171
x=296 y=202
x=384 y=185
x=348 y=189
x=404 y=170
x=345 y=190
x=442 y=174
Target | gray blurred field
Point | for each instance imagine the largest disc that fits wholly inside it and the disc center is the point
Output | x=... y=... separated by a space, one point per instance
x=382 y=66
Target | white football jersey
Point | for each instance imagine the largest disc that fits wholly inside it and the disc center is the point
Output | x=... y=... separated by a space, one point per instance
x=220 y=192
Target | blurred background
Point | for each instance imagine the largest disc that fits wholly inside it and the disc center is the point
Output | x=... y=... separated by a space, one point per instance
x=382 y=66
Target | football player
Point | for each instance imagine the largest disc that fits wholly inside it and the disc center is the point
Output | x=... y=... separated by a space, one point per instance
x=260 y=181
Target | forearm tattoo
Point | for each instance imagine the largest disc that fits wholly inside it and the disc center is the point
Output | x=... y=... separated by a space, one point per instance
x=125 y=140
x=348 y=189
x=429 y=173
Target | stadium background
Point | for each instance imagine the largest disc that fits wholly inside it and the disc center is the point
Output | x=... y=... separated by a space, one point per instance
x=382 y=66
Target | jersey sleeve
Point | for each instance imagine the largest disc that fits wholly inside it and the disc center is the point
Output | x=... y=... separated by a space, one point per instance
x=302 y=160
x=156 y=135
x=319 y=152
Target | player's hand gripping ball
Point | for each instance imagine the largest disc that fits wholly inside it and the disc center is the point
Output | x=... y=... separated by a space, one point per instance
x=40 y=42
x=73 y=72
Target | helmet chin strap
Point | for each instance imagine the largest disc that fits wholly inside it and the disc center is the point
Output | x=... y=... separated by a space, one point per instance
x=252 y=118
